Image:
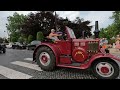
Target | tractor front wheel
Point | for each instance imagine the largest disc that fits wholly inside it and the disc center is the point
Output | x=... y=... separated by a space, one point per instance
x=105 y=69
x=45 y=58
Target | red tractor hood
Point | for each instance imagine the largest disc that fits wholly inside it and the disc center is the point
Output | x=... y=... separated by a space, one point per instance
x=85 y=40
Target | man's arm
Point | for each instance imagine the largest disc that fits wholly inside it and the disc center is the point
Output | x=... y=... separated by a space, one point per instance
x=52 y=35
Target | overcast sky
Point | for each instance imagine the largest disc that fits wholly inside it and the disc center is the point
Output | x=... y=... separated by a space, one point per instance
x=101 y=16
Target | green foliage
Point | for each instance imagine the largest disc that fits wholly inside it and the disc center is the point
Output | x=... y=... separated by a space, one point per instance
x=40 y=36
x=108 y=32
x=1 y=40
x=44 y=21
x=113 y=29
x=111 y=41
x=14 y=25
x=30 y=38
x=14 y=39
x=21 y=40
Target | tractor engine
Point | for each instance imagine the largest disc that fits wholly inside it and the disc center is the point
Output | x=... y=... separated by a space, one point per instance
x=83 y=49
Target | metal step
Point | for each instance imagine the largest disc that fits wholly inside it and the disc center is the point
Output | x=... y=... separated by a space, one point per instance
x=73 y=61
x=74 y=64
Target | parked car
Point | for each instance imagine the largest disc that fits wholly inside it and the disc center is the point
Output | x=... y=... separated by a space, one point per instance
x=9 y=45
x=33 y=45
x=18 y=45
x=3 y=48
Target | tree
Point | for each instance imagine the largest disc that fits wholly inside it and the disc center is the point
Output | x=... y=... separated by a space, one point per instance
x=1 y=40
x=21 y=40
x=40 y=36
x=116 y=17
x=30 y=38
x=40 y=21
x=79 y=27
x=14 y=25
x=44 y=21
x=13 y=39
x=113 y=29
x=14 y=36
x=6 y=40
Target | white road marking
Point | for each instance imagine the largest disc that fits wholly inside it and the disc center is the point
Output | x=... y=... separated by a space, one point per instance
x=28 y=59
x=27 y=65
x=13 y=74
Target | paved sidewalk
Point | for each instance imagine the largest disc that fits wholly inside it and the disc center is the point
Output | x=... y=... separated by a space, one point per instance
x=114 y=51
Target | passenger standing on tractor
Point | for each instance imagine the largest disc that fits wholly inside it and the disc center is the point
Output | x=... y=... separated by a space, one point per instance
x=54 y=35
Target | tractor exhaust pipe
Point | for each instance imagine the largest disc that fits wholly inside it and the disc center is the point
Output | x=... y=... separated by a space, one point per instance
x=96 y=32
x=96 y=25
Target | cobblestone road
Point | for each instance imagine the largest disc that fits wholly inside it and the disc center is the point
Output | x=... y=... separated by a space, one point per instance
x=17 y=64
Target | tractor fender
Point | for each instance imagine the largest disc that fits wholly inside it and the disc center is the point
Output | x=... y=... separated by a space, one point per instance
x=52 y=47
x=99 y=56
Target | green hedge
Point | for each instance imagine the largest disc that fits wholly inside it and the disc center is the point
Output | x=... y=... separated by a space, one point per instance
x=111 y=41
x=30 y=38
x=40 y=36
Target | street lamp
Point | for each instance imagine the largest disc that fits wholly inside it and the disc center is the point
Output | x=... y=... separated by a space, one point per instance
x=4 y=33
x=96 y=32
x=4 y=37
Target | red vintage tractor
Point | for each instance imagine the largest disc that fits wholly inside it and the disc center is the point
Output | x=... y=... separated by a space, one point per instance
x=77 y=53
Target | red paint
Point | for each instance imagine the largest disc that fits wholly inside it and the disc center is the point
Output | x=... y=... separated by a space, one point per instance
x=70 y=47
x=97 y=56
x=65 y=60
x=64 y=47
x=93 y=58
x=52 y=47
x=67 y=66
x=55 y=50
x=79 y=54
x=44 y=59
x=104 y=70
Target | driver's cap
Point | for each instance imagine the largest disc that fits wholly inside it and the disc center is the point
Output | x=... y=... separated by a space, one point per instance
x=52 y=30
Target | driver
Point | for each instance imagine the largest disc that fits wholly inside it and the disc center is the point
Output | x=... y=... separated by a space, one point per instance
x=54 y=35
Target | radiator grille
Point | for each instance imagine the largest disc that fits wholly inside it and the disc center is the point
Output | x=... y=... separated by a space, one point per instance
x=93 y=46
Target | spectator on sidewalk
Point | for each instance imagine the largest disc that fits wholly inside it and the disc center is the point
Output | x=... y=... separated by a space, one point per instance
x=101 y=42
x=117 y=46
x=104 y=43
x=113 y=45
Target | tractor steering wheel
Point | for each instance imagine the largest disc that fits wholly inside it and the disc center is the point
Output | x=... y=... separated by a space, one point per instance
x=63 y=36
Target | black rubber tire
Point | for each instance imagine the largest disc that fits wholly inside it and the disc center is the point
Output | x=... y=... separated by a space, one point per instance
x=52 y=64
x=115 y=66
x=4 y=50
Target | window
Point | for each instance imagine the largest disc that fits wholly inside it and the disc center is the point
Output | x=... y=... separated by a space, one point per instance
x=71 y=33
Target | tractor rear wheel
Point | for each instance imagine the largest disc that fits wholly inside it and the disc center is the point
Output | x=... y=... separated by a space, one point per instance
x=105 y=69
x=45 y=58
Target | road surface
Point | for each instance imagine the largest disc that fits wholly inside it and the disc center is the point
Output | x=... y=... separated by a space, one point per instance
x=17 y=64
